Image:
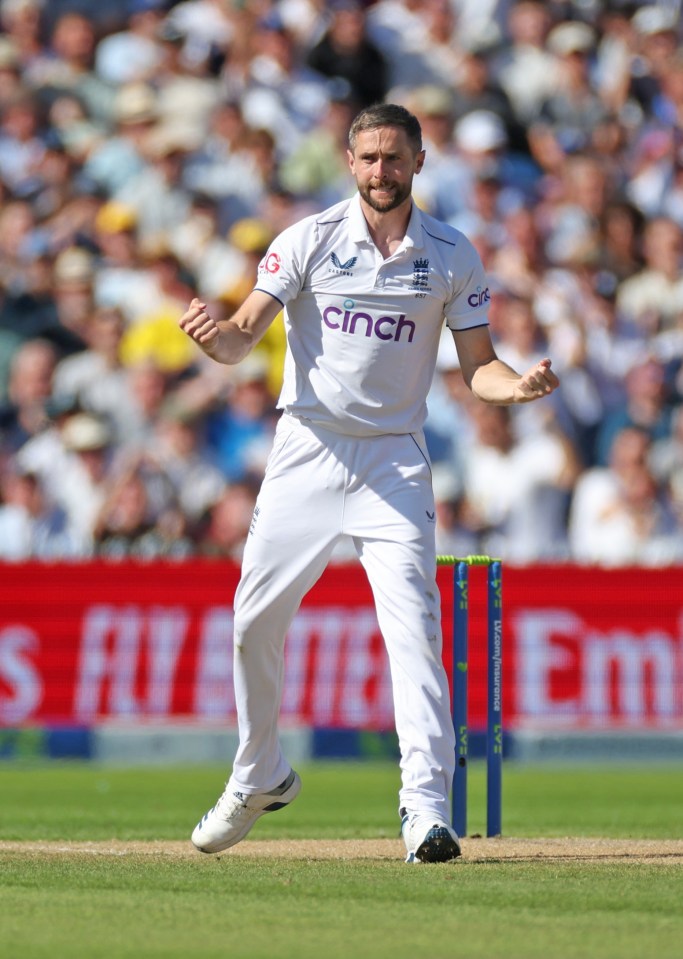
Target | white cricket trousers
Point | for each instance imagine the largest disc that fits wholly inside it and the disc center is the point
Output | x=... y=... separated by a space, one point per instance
x=320 y=486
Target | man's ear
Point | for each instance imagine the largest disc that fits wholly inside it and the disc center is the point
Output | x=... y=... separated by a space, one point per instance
x=419 y=161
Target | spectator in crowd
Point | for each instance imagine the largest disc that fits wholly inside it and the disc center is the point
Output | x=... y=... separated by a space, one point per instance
x=73 y=279
x=219 y=260
x=17 y=227
x=123 y=280
x=525 y=68
x=651 y=169
x=30 y=527
x=21 y=147
x=240 y=431
x=399 y=30
x=152 y=335
x=10 y=72
x=180 y=451
x=149 y=386
x=647 y=406
x=653 y=297
x=619 y=236
x=573 y=109
x=44 y=454
x=21 y=22
x=81 y=487
x=128 y=524
x=520 y=260
x=573 y=220
x=655 y=42
x=620 y=515
x=421 y=41
x=157 y=192
x=23 y=414
x=317 y=168
x=228 y=520
x=96 y=375
x=209 y=27
x=50 y=300
x=457 y=526
x=478 y=89
x=524 y=517
x=111 y=161
x=282 y=94
x=221 y=169
x=444 y=183
x=345 y=52
x=666 y=462
x=133 y=54
x=187 y=92
x=67 y=66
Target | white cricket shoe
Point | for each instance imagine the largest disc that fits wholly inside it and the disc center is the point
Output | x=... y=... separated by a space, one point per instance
x=428 y=839
x=235 y=813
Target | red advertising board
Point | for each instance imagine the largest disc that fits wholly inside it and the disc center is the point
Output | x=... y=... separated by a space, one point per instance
x=582 y=648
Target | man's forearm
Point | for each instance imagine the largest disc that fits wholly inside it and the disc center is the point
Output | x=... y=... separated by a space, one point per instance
x=229 y=341
x=231 y=345
x=496 y=382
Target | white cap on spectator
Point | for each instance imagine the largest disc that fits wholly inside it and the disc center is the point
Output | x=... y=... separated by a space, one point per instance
x=74 y=265
x=9 y=58
x=479 y=131
x=84 y=432
x=168 y=138
x=9 y=8
x=572 y=37
x=650 y=20
x=135 y=103
x=430 y=100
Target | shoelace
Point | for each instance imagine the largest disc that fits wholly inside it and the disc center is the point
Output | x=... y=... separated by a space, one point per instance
x=231 y=804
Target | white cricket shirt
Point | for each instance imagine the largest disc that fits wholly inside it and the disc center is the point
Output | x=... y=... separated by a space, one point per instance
x=363 y=332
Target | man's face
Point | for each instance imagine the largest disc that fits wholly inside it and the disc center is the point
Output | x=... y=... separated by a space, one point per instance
x=384 y=163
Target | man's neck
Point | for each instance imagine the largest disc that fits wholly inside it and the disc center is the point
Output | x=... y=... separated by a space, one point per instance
x=387 y=229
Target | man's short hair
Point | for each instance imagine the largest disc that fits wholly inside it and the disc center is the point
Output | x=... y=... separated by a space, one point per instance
x=387 y=115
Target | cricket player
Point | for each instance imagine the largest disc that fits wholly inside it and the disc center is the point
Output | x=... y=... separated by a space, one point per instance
x=366 y=287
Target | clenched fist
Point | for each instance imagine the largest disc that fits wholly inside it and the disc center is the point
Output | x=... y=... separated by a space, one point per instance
x=198 y=325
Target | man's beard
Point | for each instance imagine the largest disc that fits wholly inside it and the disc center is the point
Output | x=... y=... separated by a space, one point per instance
x=400 y=194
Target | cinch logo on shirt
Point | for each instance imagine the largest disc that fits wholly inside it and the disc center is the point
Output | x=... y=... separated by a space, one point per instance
x=481 y=296
x=364 y=324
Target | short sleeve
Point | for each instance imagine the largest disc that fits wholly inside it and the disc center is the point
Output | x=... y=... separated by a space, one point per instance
x=468 y=306
x=280 y=271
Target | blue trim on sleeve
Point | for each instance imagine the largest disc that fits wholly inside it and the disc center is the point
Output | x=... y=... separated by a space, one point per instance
x=261 y=290
x=464 y=329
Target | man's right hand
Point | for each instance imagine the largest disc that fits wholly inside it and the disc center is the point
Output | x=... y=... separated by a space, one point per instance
x=200 y=327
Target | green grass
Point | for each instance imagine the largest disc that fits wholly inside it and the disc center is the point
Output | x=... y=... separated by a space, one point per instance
x=345 y=800
x=114 y=906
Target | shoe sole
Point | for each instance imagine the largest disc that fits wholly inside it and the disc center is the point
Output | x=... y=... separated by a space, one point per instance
x=437 y=846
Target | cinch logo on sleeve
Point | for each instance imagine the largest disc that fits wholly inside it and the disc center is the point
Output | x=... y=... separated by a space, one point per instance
x=359 y=323
x=480 y=297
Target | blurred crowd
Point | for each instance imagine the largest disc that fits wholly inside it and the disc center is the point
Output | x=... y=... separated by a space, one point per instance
x=149 y=152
